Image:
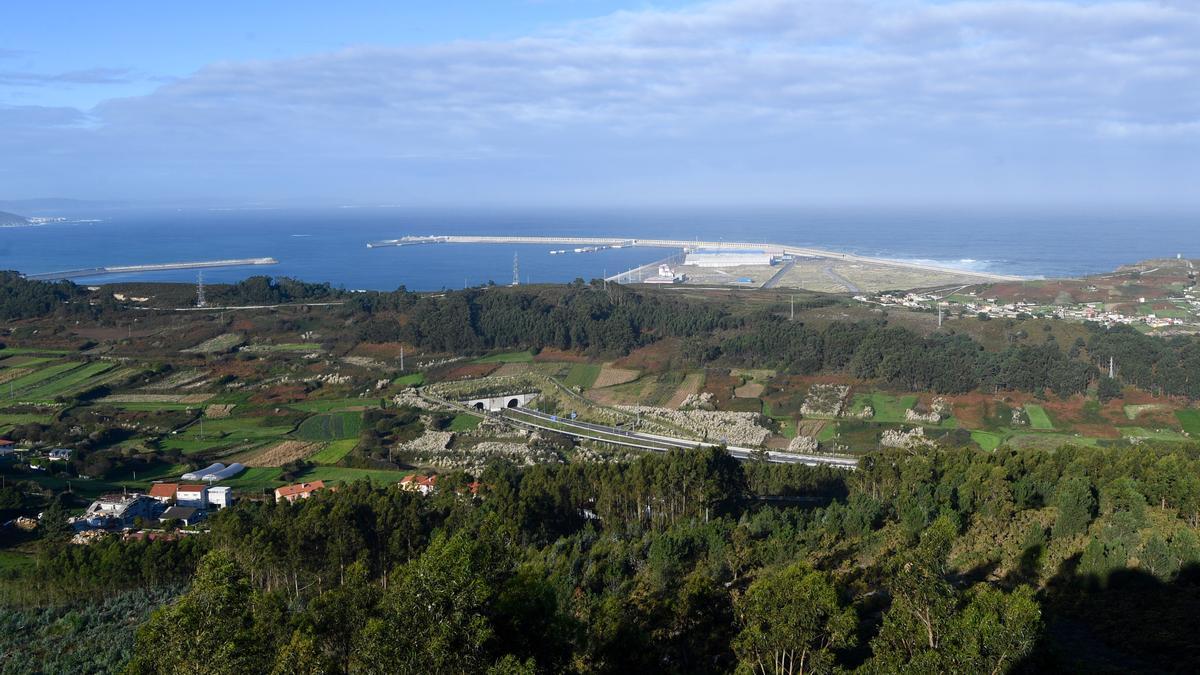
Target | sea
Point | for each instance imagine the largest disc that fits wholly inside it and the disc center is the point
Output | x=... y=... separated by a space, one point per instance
x=330 y=244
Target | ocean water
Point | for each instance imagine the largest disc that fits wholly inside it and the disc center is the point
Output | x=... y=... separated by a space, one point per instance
x=329 y=245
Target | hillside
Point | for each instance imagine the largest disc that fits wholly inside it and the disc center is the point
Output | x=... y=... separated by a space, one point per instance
x=11 y=219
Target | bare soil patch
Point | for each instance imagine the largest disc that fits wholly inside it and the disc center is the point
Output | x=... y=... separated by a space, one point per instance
x=654 y=358
x=691 y=385
x=282 y=453
x=611 y=375
x=749 y=390
x=551 y=355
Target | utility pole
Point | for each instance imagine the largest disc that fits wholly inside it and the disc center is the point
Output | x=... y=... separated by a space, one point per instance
x=792 y=317
x=402 y=358
x=939 y=315
x=516 y=270
x=1112 y=367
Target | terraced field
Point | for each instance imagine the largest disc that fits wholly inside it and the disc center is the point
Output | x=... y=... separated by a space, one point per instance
x=73 y=381
x=1190 y=420
x=330 y=427
x=582 y=375
x=1038 y=419
x=334 y=452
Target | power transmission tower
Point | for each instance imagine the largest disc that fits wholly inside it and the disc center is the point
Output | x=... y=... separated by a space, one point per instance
x=200 y=301
x=516 y=271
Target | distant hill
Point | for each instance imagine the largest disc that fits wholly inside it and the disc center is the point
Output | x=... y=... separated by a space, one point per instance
x=9 y=219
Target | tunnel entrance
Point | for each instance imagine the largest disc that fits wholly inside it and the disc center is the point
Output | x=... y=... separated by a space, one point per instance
x=512 y=403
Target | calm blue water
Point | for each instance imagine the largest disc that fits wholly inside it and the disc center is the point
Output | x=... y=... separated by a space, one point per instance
x=330 y=244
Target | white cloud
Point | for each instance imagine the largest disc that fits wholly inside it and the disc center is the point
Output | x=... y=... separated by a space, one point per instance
x=707 y=83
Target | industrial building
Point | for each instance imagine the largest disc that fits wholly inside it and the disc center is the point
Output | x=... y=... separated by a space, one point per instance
x=714 y=257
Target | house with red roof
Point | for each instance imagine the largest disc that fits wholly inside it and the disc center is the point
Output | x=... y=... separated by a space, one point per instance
x=418 y=483
x=298 y=491
x=164 y=492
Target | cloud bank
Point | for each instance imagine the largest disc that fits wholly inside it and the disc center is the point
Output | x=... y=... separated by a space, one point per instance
x=739 y=100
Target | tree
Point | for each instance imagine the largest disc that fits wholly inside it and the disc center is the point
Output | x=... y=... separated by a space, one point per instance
x=1108 y=389
x=791 y=620
x=992 y=632
x=435 y=616
x=923 y=600
x=1076 y=506
x=210 y=628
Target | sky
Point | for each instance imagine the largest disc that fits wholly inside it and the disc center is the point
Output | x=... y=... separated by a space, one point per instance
x=603 y=102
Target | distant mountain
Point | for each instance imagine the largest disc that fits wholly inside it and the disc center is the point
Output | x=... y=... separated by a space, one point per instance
x=11 y=219
x=56 y=204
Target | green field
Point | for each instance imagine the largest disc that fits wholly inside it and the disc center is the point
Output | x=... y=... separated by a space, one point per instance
x=1190 y=420
x=1038 y=419
x=410 y=380
x=226 y=432
x=39 y=376
x=987 y=440
x=255 y=479
x=463 y=422
x=582 y=375
x=77 y=379
x=15 y=560
x=344 y=475
x=888 y=408
x=330 y=426
x=334 y=452
x=1155 y=434
x=333 y=404
x=506 y=357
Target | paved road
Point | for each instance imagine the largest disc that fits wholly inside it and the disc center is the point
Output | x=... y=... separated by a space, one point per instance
x=656 y=442
x=837 y=278
x=774 y=281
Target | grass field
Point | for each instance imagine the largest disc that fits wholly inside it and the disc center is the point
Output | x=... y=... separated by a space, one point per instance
x=330 y=427
x=463 y=422
x=74 y=380
x=334 y=404
x=255 y=479
x=582 y=375
x=1190 y=420
x=410 y=380
x=339 y=474
x=987 y=440
x=39 y=376
x=14 y=560
x=1155 y=434
x=225 y=432
x=888 y=408
x=334 y=452
x=506 y=357
x=1038 y=419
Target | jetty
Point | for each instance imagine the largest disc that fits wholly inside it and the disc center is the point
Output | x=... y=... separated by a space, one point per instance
x=690 y=244
x=152 y=267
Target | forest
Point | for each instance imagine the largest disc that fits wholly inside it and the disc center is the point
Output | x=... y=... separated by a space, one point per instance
x=952 y=561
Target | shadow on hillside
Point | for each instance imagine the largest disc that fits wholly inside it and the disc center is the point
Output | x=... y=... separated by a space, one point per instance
x=1128 y=621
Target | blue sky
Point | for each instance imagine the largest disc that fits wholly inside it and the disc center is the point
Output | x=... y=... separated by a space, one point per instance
x=600 y=102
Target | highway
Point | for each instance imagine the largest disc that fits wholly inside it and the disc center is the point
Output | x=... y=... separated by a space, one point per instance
x=533 y=419
x=781 y=249
x=660 y=443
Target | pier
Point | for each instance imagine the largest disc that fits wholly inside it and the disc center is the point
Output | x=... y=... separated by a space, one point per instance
x=153 y=267
x=688 y=244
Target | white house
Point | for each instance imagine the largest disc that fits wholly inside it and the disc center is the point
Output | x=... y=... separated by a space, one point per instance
x=192 y=495
x=220 y=497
